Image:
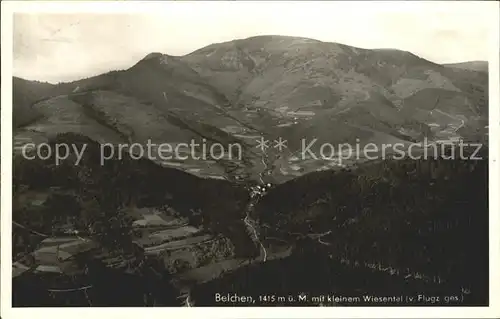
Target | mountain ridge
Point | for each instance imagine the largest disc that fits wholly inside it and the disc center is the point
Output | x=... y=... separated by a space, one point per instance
x=278 y=86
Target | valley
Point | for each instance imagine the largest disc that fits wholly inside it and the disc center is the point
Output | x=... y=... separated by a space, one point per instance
x=150 y=231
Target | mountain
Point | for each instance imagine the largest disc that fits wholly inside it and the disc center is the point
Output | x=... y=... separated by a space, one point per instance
x=270 y=86
x=222 y=209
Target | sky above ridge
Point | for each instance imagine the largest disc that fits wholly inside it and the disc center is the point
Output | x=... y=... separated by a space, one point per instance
x=72 y=42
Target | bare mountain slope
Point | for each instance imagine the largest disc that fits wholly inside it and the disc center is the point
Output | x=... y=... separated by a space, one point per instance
x=270 y=86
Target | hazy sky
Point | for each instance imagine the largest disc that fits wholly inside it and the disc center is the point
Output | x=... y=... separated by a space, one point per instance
x=67 y=46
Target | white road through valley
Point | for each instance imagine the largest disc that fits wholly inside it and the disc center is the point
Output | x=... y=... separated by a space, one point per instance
x=256 y=236
x=248 y=221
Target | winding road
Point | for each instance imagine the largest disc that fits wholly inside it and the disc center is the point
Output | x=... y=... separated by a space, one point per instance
x=249 y=222
x=256 y=236
x=254 y=198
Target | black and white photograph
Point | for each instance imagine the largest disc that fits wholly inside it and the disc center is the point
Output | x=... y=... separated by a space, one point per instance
x=250 y=154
